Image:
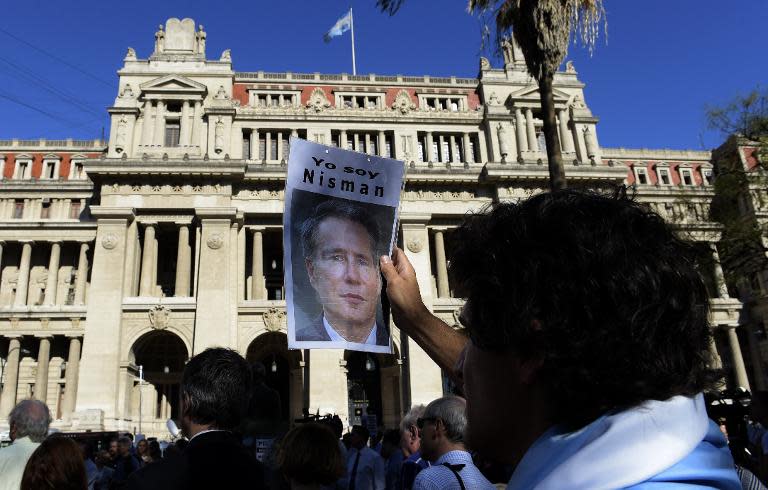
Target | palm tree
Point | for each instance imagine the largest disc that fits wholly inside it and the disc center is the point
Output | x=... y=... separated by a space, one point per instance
x=543 y=30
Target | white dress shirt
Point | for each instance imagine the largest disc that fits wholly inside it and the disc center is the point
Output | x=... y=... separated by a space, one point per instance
x=13 y=459
x=335 y=337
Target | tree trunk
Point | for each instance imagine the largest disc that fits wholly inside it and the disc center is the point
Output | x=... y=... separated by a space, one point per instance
x=554 y=155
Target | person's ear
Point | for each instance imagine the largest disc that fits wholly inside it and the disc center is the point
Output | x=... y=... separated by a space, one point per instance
x=310 y=270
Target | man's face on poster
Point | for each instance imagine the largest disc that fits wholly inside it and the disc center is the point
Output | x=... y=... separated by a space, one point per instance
x=343 y=270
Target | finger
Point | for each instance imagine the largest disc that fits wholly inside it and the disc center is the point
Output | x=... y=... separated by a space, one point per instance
x=387 y=268
x=401 y=261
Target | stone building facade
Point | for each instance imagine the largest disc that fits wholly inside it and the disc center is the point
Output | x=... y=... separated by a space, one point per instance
x=145 y=249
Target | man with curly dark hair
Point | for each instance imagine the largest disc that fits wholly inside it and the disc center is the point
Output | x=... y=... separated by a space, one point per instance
x=588 y=344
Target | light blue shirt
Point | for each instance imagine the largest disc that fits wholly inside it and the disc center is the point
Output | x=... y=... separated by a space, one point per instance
x=335 y=337
x=439 y=477
x=370 y=469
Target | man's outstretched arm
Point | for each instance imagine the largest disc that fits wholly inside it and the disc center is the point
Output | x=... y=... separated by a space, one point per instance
x=441 y=342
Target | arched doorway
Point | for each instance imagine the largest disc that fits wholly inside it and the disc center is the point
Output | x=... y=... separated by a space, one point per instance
x=284 y=372
x=161 y=355
x=374 y=388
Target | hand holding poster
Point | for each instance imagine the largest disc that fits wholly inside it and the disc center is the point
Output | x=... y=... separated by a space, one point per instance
x=341 y=210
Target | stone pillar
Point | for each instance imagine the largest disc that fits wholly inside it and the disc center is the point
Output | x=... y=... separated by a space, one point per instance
x=443 y=290
x=722 y=288
x=43 y=361
x=566 y=138
x=279 y=135
x=257 y=267
x=53 y=274
x=441 y=157
x=147 y=129
x=183 y=263
x=356 y=142
x=343 y=139
x=82 y=274
x=467 y=156
x=254 y=145
x=430 y=144
x=715 y=361
x=382 y=144
x=522 y=140
x=197 y=124
x=533 y=143
x=453 y=157
x=368 y=144
x=22 y=285
x=483 y=149
x=73 y=369
x=268 y=146
x=184 y=122
x=11 y=375
x=738 y=360
x=160 y=124
x=146 y=288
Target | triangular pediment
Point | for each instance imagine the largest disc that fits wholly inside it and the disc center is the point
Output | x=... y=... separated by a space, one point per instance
x=173 y=84
x=532 y=93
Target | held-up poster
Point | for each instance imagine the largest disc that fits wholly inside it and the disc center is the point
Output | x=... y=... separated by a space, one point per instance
x=341 y=212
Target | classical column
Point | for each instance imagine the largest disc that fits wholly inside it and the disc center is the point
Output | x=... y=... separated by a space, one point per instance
x=146 y=288
x=197 y=124
x=53 y=274
x=522 y=140
x=257 y=267
x=722 y=288
x=382 y=144
x=183 y=263
x=453 y=158
x=184 y=130
x=343 y=139
x=160 y=124
x=738 y=361
x=441 y=157
x=73 y=370
x=715 y=361
x=368 y=143
x=43 y=360
x=268 y=146
x=430 y=144
x=533 y=143
x=147 y=129
x=566 y=138
x=280 y=154
x=82 y=274
x=22 y=285
x=468 y=157
x=11 y=375
x=443 y=290
x=254 y=145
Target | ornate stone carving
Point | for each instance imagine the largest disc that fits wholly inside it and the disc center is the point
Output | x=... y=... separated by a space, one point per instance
x=484 y=63
x=122 y=124
x=318 y=100
x=494 y=99
x=200 y=36
x=130 y=55
x=218 y=138
x=226 y=55
x=569 y=68
x=415 y=245
x=274 y=319
x=127 y=92
x=159 y=39
x=215 y=241
x=109 y=241
x=403 y=102
x=221 y=94
x=456 y=316
x=503 y=142
x=159 y=317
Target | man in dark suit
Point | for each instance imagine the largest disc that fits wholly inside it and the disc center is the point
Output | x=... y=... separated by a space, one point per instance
x=215 y=389
x=340 y=241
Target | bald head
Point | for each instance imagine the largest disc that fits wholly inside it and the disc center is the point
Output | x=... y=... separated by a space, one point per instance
x=30 y=418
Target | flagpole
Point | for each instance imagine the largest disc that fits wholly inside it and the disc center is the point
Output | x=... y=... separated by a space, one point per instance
x=352 y=28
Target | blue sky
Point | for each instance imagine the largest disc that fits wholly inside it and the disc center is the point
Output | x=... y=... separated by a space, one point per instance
x=664 y=60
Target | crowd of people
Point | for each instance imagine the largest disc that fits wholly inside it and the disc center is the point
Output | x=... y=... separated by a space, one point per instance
x=582 y=363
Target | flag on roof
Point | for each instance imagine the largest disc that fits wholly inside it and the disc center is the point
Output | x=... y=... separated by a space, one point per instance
x=340 y=27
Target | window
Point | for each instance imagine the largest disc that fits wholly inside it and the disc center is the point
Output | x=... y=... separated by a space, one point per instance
x=172 y=134
x=77 y=171
x=74 y=210
x=246 y=145
x=664 y=178
x=45 y=211
x=273 y=148
x=706 y=174
x=421 y=152
x=18 y=209
x=641 y=175
x=686 y=176
x=23 y=169
x=49 y=169
x=434 y=152
x=444 y=150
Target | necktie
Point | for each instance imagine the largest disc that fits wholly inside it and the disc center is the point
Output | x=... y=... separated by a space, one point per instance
x=354 y=471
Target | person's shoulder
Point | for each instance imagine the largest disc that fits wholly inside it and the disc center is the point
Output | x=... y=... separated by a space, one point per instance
x=314 y=331
x=168 y=473
x=429 y=478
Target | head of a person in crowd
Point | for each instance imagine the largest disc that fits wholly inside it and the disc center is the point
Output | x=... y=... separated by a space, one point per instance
x=340 y=244
x=142 y=448
x=390 y=443
x=346 y=439
x=359 y=437
x=29 y=418
x=410 y=441
x=154 y=450
x=587 y=303
x=56 y=464
x=259 y=372
x=309 y=456
x=442 y=427
x=113 y=448
x=103 y=458
x=216 y=389
x=124 y=447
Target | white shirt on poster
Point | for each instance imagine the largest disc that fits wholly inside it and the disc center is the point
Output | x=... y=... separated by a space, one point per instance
x=335 y=337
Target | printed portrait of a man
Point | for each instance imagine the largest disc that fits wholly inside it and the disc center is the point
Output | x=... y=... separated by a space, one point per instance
x=340 y=243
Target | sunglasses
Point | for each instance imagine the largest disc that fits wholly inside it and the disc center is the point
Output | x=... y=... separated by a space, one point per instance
x=423 y=420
